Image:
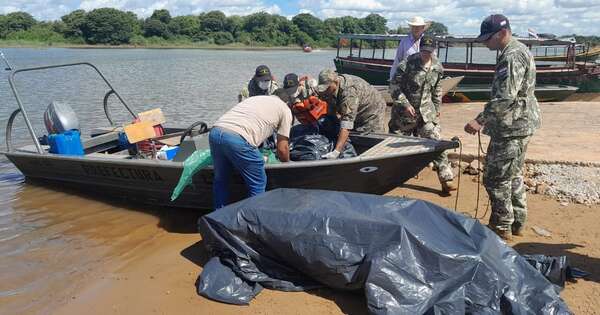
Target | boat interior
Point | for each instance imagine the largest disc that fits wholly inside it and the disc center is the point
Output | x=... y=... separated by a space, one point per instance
x=109 y=142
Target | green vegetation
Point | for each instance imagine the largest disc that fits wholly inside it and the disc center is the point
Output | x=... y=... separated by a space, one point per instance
x=107 y=26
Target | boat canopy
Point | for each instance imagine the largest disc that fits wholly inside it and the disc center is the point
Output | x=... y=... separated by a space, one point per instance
x=455 y=39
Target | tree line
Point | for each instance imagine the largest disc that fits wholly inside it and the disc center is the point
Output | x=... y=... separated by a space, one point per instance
x=110 y=26
x=115 y=27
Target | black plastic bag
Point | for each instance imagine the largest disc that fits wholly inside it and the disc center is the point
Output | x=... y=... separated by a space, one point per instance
x=409 y=256
x=309 y=147
x=556 y=269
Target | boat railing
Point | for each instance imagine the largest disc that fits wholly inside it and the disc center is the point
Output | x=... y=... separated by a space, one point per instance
x=446 y=41
x=21 y=109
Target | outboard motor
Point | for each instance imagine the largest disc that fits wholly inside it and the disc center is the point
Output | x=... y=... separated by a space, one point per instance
x=63 y=129
x=60 y=117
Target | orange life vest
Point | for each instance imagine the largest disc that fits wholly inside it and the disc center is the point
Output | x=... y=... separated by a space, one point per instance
x=309 y=110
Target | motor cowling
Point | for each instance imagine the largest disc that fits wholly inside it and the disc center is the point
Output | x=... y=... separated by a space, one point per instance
x=60 y=117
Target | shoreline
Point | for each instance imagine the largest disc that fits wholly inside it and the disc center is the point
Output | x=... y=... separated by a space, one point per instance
x=158 y=46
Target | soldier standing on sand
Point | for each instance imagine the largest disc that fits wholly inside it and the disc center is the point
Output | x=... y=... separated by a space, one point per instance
x=417 y=92
x=359 y=106
x=262 y=83
x=510 y=118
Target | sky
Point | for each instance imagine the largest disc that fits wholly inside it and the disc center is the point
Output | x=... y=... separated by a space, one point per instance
x=560 y=17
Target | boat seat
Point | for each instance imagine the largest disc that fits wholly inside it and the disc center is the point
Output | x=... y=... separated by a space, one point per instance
x=395 y=145
x=101 y=142
x=115 y=156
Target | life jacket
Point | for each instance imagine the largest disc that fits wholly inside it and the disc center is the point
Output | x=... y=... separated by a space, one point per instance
x=309 y=110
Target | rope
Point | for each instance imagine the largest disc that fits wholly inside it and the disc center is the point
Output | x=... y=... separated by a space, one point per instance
x=479 y=151
x=486 y=209
x=460 y=148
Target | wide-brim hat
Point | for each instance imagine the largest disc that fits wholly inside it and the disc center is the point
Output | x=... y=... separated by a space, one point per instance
x=416 y=21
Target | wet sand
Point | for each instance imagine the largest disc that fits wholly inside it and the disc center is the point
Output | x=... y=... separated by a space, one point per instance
x=78 y=254
x=158 y=274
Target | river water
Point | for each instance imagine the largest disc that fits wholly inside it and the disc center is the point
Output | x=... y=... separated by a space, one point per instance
x=51 y=238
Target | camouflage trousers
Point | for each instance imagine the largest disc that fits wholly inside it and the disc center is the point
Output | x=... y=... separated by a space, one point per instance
x=429 y=130
x=503 y=180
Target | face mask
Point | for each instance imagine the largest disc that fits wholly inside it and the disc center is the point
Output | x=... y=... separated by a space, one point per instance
x=263 y=85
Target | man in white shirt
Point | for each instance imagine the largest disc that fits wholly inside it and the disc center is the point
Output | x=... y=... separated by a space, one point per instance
x=234 y=141
x=410 y=44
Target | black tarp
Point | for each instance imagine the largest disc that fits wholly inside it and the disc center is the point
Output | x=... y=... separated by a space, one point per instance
x=409 y=256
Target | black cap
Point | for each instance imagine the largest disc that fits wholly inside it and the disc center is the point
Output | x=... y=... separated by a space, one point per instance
x=427 y=43
x=290 y=81
x=491 y=25
x=262 y=72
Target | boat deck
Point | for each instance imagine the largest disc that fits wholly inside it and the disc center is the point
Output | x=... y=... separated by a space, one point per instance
x=393 y=145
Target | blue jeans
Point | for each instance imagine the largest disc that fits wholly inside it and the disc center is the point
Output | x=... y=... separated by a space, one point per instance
x=229 y=150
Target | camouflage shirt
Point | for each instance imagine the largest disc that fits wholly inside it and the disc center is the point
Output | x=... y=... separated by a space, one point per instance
x=252 y=89
x=421 y=88
x=359 y=105
x=513 y=110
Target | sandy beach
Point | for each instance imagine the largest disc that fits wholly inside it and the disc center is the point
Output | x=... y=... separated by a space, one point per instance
x=159 y=277
x=154 y=265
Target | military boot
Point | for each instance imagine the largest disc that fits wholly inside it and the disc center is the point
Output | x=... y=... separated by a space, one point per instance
x=447 y=187
x=503 y=234
x=517 y=229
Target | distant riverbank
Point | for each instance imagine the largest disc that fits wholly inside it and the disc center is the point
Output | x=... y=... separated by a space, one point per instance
x=162 y=45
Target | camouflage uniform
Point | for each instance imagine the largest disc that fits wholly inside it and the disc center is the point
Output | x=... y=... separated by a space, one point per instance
x=509 y=118
x=359 y=105
x=413 y=85
x=252 y=89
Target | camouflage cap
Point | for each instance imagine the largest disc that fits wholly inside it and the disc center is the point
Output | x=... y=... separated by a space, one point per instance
x=325 y=78
x=427 y=43
x=262 y=73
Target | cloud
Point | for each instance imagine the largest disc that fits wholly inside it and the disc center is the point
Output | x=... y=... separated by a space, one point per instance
x=577 y=3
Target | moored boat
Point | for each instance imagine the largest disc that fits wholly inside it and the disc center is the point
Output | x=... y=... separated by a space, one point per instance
x=544 y=93
x=384 y=161
x=375 y=68
x=580 y=53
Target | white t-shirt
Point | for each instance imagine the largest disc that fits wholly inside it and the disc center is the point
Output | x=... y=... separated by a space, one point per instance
x=255 y=119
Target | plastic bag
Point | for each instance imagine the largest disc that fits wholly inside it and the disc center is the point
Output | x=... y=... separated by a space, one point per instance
x=312 y=147
x=309 y=147
x=555 y=268
x=291 y=239
x=270 y=156
x=194 y=163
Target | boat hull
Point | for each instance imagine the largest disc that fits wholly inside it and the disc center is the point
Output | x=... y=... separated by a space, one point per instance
x=152 y=181
x=545 y=93
x=376 y=72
